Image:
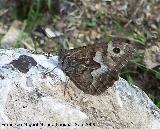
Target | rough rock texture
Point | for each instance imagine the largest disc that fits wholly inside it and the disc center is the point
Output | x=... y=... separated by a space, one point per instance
x=152 y=56
x=35 y=93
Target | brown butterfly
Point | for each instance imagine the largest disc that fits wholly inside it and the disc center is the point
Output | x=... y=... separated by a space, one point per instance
x=96 y=67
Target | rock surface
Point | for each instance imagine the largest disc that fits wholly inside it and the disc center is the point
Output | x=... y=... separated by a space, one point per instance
x=152 y=56
x=35 y=93
x=12 y=35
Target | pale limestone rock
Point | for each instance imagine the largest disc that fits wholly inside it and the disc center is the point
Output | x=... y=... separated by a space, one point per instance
x=12 y=35
x=152 y=56
x=33 y=97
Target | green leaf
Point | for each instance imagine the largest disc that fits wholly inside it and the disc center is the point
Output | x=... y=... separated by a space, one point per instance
x=157 y=102
x=92 y=23
x=130 y=80
x=138 y=35
x=157 y=75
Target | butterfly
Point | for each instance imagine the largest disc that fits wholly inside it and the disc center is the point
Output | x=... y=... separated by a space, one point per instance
x=95 y=68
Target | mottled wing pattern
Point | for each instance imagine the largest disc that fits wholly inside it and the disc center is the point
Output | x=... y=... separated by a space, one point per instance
x=94 y=68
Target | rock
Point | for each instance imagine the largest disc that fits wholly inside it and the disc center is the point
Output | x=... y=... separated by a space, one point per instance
x=35 y=93
x=151 y=56
x=12 y=35
x=3 y=11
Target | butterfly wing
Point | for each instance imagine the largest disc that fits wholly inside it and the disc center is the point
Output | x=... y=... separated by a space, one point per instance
x=94 y=68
